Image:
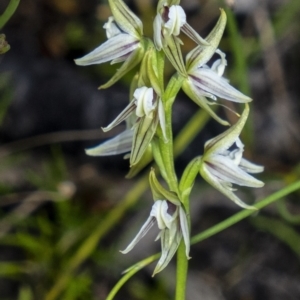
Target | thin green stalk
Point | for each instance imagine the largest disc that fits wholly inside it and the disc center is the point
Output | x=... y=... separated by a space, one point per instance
x=182 y=261
x=285 y=214
x=10 y=10
x=181 y=272
x=129 y=273
x=167 y=151
x=216 y=229
x=245 y=213
x=166 y=148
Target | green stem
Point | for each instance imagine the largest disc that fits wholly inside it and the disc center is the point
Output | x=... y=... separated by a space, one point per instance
x=182 y=261
x=11 y=8
x=166 y=148
x=129 y=273
x=245 y=213
x=285 y=214
x=181 y=272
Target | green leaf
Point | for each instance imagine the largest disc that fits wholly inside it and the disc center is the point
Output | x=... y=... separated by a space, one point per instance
x=159 y=192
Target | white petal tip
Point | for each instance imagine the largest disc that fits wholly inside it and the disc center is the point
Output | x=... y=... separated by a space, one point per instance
x=105 y=129
x=80 y=62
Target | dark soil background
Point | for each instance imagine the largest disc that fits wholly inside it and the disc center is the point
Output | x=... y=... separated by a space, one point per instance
x=52 y=110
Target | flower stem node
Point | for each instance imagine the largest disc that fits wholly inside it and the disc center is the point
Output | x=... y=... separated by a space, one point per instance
x=222 y=164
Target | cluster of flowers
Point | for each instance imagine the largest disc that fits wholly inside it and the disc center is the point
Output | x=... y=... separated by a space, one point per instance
x=222 y=164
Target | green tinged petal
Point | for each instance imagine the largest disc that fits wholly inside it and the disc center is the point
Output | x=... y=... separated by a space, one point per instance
x=201 y=101
x=189 y=175
x=144 y=131
x=141 y=164
x=159 y=192
x=173 y=52
x=222 y=188
x=202 y=54
x=148 y=71
x=134 y=58
x=169 y=246
x=158 y=158
x=125 y=18
x=224 y=140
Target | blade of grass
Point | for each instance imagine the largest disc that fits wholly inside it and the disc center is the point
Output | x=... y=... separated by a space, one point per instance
x=245 y=213
x=10 y=10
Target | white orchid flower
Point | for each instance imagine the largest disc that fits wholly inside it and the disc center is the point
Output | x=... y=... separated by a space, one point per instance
x=222 y=164
x=204 y=82
x=125 y=42
x=172 y=223
x=168 y=23
x=148 y=111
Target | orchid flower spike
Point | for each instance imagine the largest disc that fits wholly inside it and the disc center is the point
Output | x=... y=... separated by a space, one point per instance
x=204 y=82
x=222 y=164
x=171 y=220
x=148 y=111
x=125 y=42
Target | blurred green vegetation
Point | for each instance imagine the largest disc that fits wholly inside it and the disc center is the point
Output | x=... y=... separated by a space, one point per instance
x=61 y=249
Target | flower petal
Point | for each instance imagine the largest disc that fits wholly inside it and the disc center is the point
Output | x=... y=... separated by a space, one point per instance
x=250 y=167
x=111 y=28
x=173 y=52
x=197 y=96
x=202 y=54
x=223 y=141
x=133 y=59
x=129 y=109
x=177 y=19
x=125 y=18
x=225 y=169
x=209 y=81
x=169 y=246
x=117 y=145
x=185 y=231
x=162 y=119
x=216 y=183
x=145 y=103
x=113 y=48
x=143 y=134
x=145 y=228
x=193 y=34
x=157 y=38
x=159 y=208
